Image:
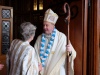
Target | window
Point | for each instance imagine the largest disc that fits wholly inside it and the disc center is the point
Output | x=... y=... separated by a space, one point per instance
x=38 y=5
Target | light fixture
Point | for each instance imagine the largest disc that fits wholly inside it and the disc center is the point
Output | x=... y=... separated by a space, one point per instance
x=35 y=5
x=40 y=4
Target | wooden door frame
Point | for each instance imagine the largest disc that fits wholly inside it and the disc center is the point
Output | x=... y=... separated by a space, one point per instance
x=96 y=10
x=10 y=19
x=96 y=19
x=93 y=38
x=84 y=27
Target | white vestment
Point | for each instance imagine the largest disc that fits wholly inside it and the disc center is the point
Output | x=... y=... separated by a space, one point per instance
x=55 y=63
x=22 y=59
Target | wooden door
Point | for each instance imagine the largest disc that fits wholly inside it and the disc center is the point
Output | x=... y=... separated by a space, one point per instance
x=78 y=36
x=6 y=31
x=78 y=30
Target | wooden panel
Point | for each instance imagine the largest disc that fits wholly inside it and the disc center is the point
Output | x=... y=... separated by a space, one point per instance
x=96 y=18
x=6 y=33
x=79 y=39
x=76 y=36
x=85 y=25
x=93 y=38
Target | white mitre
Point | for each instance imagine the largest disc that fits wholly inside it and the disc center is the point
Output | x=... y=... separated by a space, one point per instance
x=50 y=16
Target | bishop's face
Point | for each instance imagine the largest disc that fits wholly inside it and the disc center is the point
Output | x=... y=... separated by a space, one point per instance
x=48 y=27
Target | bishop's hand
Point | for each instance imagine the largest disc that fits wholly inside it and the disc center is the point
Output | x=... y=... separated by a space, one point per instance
x=69 y=49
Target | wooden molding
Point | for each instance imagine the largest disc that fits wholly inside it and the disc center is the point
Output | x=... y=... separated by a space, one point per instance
x=85 y=22
x=93 y=38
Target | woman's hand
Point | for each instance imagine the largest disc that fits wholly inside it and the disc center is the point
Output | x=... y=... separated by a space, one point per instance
x=1 y=66
x=40 y=67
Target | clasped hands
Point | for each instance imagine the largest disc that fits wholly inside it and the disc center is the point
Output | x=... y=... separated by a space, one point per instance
x=40 y=67
x=69 y=51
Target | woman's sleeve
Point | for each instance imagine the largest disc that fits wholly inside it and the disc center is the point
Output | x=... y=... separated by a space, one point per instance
x=29 y=64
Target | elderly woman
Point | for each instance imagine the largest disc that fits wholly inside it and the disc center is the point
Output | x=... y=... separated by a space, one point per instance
x=21 y=57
